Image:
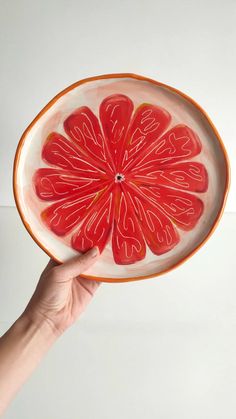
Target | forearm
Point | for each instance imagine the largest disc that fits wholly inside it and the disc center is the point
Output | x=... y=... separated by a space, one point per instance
x=21 y=349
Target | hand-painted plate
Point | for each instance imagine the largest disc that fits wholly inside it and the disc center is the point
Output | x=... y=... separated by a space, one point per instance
x=125 y=163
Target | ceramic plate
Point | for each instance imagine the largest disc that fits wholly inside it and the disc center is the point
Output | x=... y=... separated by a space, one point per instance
x=126 y=163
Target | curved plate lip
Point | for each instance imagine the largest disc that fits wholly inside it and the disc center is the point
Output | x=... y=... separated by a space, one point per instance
x=136 y=77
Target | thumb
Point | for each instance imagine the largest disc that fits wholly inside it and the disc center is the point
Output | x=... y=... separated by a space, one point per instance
x=77 y=265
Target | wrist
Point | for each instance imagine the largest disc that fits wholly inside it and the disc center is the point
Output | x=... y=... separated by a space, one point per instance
x=21 y=349
x=37 y=327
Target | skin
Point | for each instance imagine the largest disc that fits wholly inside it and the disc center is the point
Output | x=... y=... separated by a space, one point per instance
x=60 y=297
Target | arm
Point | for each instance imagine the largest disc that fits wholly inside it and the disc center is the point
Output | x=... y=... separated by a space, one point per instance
x=60 y=297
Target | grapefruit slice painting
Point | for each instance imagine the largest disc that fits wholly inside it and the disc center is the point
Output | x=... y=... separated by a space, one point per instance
x=126 y=164
x=126 y=153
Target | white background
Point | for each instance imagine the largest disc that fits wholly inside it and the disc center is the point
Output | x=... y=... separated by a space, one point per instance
x=163 y=348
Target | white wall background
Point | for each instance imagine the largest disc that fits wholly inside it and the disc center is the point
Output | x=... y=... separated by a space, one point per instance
x=163 y=348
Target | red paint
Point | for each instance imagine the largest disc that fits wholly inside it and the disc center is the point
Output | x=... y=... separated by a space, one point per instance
x=128 y=179
x=115 y=113
x=98 y=224
x=128 y=243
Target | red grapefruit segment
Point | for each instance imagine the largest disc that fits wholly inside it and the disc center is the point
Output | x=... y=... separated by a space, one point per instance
x=159 y=232
x=179 y=143
x=183 y=208
x=61 y=152
x=83 y=128
x=147 y=125
x=55 y=184
x=189 y=176
x=97 y=227
x=127 y=240
x=115 y=114
x=65 y=215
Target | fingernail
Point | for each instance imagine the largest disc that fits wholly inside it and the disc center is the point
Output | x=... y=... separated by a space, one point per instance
x=93 y=252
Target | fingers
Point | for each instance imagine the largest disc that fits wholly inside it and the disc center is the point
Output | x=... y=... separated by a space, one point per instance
x=89 y=285
x=51 y=264
x=77 y=265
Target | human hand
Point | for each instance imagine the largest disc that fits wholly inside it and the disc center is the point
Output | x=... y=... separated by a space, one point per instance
x=61 y=294
x=59 y=298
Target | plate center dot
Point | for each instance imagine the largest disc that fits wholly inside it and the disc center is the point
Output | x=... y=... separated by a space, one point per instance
x=119 y=177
